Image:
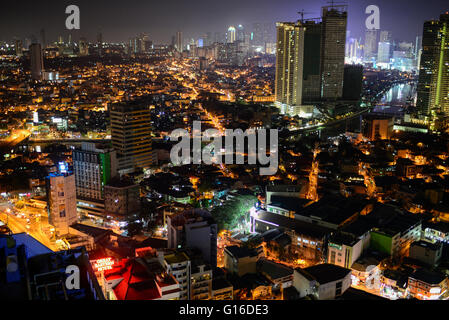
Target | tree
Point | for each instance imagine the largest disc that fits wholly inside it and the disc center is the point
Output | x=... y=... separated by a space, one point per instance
x=229 y=215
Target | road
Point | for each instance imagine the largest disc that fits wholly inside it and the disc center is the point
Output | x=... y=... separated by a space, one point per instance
x=18 y=225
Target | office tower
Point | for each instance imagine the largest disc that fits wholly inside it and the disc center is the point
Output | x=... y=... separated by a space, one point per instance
x=100 y=43
x=147 y=44
x=383 y=55
x=370 y=48
x=131 y=135
x=195 y=229
x=19 y=48
x=43 y=39
x=433 y=84
x=385 y=36
x=231 y=35
x=94 y=166
x=83 y=47
x=333 y=41
x=353 y=49
x=257 y=38
x=61 y=200
x=179 y=41
x=37 y=61
x=209 y=39
x=240 y=33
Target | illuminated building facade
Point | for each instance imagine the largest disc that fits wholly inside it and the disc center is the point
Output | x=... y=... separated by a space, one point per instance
x=433 y=85
x=61 y=199
x=94 y=167
x=310 y=61
x=131 y=135
x=231 y=35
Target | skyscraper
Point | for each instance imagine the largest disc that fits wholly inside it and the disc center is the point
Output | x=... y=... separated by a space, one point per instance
x=83 y=47
x=383 y=55
x=333 y=42
x=289 y=64
x=433 y=85
x=370 y=48
x=37 y=61
x=179 y=41
x=19 y=48
x=131 y=135
x=310 y=61
x=231 y=35
x=43 y=39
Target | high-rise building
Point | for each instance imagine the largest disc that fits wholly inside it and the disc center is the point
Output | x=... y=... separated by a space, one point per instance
x=19 y=48
x=240 y=33
x=37 y=61
x=370 y=48
x=100 y=43
x=289 y=64
x=43 y=39
x=179 y=42
x=231 y=35
x=385 y=36
x=131 y=135
x=83 y=47
x=333 y=42
x=433 y=85
x=383 y=55
x=310 y=61
x=94 y=167
x=61 y=200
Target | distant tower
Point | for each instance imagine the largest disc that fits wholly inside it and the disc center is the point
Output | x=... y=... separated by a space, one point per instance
x=179 y=41
x=43 y=39
x=100 y=43
x=37 y=61
x=19 y=48
x=231 y=35
x=370 y=44
x=83 y=47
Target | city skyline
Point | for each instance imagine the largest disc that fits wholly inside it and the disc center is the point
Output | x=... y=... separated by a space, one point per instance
x=118 y=22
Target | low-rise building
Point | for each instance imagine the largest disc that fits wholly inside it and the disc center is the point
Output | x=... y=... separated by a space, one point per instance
x=427 y=285
x=240 y=260
x=323 y=282
x=426 y=252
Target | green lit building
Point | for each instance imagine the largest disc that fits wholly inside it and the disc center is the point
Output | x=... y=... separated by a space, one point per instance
x=94 y=167
x=433 y=86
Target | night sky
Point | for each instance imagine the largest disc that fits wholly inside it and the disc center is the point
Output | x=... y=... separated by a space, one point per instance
x=119 y=20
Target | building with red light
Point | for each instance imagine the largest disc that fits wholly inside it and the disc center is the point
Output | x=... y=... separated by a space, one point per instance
x=139 y=279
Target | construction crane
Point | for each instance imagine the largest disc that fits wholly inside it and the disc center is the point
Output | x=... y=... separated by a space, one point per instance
x=302 y=13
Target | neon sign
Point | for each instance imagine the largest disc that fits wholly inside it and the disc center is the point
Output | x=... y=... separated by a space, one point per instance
x=103 y=264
